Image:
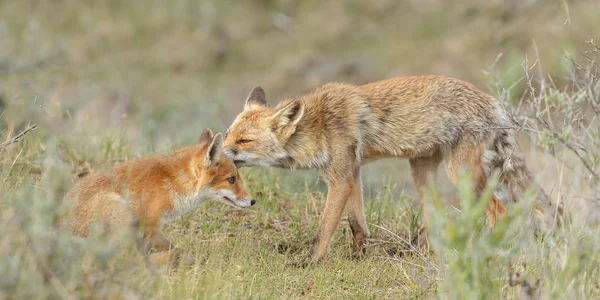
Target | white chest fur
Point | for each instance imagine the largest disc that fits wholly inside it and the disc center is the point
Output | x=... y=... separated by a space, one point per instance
x=183 y=204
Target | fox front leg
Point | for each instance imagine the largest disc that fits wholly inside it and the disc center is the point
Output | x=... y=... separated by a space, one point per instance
x=154 y=239
x=165 y=252
x=174 y=257
x=357 y=219
x=338 y=194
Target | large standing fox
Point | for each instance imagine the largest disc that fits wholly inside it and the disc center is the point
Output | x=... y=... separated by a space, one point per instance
x=152 y=191
x=341 y=126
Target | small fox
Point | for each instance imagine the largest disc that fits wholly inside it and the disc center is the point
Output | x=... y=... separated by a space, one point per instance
x=341 y=126
x=151 y=191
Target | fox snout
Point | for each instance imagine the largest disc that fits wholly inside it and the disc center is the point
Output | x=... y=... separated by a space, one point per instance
x=238 y=200
x=239 y=203
x=231 y=153
x=239 y=163
x=238 y=160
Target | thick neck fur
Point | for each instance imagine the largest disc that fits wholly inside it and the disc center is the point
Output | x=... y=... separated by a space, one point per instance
x=306 y=147
x=334 y=114
x=186 y=192
x=178 y=174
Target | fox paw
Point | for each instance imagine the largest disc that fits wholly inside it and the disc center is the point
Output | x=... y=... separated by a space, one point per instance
x=301 y=264
x=358 y=255
x=419 y=239
x=359 y=251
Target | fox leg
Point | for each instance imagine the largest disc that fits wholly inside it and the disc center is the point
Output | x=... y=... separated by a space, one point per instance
x=173 y=257
x=422 y=168
x=165 y=253
x=357 y=219
x=340 y=190
x=469 y=155
x=154 y=239
x=164 y=257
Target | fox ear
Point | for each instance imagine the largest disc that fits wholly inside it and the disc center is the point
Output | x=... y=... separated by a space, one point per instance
x=288 y=117
x=256 y=99
x=206 y=136
x=214 y=151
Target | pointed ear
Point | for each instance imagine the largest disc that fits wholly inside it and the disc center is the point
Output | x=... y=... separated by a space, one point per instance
x=214 y=151
x=289 y=116
x=256 y=99
x=206 y=136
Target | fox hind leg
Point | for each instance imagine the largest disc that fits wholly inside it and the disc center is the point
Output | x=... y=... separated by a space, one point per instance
x=469 y=155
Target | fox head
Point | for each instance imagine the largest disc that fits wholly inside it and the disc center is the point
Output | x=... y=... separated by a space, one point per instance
x=218 y=176
x=259 y=134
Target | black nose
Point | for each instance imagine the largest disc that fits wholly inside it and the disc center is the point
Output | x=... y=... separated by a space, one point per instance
x=252 y=202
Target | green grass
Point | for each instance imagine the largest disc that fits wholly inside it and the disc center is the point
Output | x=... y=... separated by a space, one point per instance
x=250 y=253
x=107 y=81
x=238 y=254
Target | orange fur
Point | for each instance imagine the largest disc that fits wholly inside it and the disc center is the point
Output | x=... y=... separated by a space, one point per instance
x=151 y=191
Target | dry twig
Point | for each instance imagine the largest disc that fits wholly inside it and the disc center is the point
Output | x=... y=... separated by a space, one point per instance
x=17 y=137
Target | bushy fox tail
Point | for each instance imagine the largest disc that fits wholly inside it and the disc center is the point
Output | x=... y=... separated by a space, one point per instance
x=516 y=178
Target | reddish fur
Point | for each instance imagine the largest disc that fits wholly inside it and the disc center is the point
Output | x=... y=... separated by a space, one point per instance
x=144 y=190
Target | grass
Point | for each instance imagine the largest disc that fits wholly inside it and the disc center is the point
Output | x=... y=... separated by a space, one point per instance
x=107 y=81
x=239 y=254
x=248 y=254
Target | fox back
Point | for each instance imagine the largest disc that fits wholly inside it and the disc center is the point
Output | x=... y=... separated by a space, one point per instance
x=399 y=117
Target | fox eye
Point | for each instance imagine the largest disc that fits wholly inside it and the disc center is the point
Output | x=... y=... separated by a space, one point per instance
x=231 y=179
x=243 y=141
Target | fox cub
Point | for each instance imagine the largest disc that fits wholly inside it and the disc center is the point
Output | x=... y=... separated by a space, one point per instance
x=339 y=127
x=152 y=191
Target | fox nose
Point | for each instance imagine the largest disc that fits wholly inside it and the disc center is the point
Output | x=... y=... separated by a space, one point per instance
x=252 y=202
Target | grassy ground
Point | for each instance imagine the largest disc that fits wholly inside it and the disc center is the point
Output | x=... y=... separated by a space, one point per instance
x=107 y=81
x=249 y=253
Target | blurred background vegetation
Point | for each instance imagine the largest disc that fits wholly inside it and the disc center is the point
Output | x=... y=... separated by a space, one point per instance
x=112 y=80
x=158 y=72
